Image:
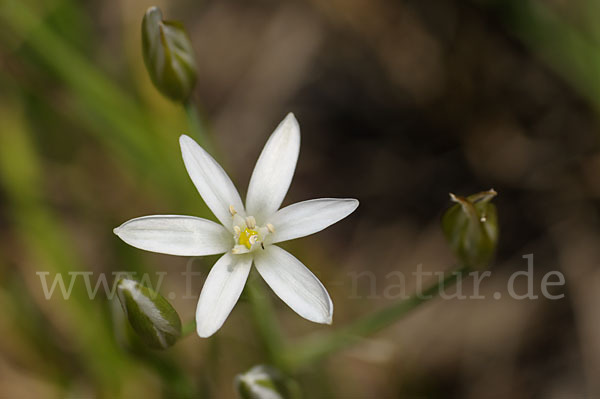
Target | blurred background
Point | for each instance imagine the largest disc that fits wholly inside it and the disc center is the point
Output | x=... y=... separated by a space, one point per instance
x=399 y=102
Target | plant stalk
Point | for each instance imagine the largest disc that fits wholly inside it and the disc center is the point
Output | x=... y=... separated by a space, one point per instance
x=198 y=130
x=302 y=353
x=265 y=322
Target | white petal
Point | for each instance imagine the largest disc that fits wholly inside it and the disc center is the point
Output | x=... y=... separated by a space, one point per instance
x=221 y=291
x=274 y=170
x=294 y=284
x=210 y=179
x=176 y=235
x=308 y=217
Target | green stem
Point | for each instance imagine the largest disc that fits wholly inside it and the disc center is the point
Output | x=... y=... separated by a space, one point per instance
x=313 y=348
x=262 y=312
x=188 y=328
x=174 y=378
x=198 y=131
x=265 y=323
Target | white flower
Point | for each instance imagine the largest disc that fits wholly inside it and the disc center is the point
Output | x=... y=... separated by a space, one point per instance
x=247 y=233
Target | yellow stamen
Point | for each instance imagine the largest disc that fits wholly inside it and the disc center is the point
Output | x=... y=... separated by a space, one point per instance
x=248 y=237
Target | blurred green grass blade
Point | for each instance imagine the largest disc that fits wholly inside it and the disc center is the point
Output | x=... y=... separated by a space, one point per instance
x=564 y=47
x=49 y=249
x=97 y=92
x=105 y=109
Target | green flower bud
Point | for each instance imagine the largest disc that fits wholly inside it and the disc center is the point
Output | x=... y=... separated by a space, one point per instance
x=265 y=382
x=471 y=228
x=152 y=317
x=168 y=55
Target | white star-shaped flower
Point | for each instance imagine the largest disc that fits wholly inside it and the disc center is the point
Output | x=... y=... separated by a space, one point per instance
x=246 y=234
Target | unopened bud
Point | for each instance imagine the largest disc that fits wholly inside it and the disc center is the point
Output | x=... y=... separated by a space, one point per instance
x=266 y=382
x=168 y=55
x=152 y=317
x=471 y=228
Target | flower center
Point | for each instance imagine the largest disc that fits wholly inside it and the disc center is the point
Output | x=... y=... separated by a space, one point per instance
x=247 y=235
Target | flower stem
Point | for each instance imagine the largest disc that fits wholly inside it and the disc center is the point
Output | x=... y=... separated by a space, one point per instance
x=265 y=322
x=188 y=328
x=263 y=314
x=316 y=347
x=174 y=378
x=198 y=130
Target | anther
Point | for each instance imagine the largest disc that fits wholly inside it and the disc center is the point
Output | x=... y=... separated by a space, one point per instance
x=271 y=228
x=232 y=210
x=237 y=230
x=251 y=222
